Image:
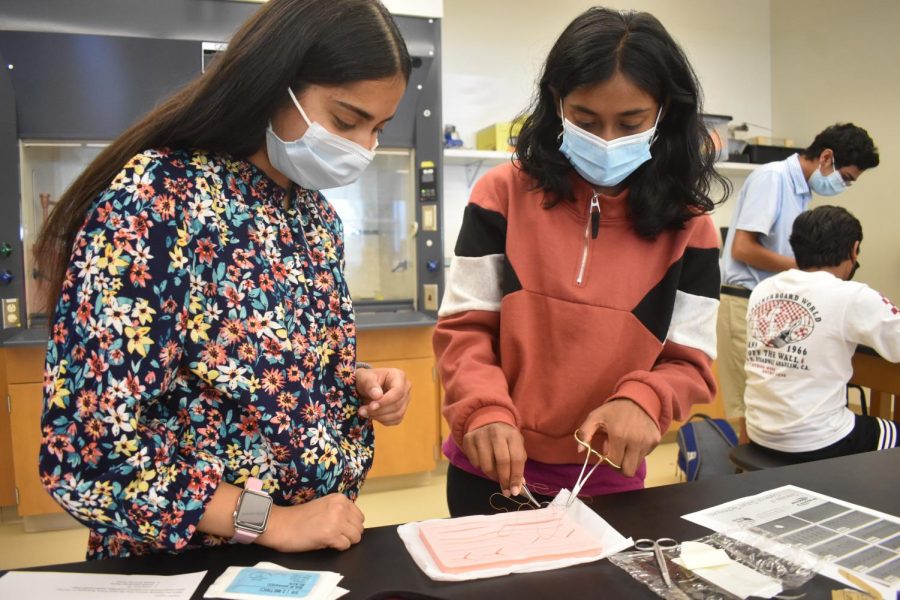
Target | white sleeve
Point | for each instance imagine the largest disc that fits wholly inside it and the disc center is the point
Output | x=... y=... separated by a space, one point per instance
x=872 y=320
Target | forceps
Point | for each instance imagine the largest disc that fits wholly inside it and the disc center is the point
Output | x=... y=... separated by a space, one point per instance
x=657 y=546
x=590 y=450
x=585 y=473
x=529 y=496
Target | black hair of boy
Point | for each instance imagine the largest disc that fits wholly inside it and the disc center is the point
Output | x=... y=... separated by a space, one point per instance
x=824 y=237
x=852 y=146
x=673 y=186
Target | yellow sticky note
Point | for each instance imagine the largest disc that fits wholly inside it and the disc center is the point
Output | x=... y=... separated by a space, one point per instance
x=849 y=595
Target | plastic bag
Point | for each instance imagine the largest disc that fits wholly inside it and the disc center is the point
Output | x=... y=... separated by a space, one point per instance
x=643 y=567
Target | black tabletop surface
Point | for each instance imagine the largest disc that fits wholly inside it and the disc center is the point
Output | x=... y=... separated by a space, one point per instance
x=380 y=567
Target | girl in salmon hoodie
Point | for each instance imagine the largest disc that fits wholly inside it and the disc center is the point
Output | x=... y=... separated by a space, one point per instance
x=584 y=287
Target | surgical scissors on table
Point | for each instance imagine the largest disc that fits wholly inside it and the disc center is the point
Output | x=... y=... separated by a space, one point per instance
x=657 y=546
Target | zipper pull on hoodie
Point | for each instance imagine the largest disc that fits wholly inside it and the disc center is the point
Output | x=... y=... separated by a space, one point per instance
x=595 y=215
x=590 y=233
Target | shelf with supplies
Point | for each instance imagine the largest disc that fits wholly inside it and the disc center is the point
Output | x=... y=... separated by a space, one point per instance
x=735 y=168
x=474 y=160
x=467 y=156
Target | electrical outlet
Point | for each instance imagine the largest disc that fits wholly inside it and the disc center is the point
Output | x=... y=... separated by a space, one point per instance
x=429 y=217
x=430 y=291
x=11 y=313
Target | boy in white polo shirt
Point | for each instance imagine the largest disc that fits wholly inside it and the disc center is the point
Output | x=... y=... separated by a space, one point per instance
x=803 y=326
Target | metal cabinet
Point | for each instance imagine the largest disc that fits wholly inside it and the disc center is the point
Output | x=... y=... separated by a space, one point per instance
x=92 y=87
x=63 y=95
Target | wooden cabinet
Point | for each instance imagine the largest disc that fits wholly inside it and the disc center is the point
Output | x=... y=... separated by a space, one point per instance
x=22 y=367
x=414 y=445
x=25 y=416
x=7 y=474
x=411 y=446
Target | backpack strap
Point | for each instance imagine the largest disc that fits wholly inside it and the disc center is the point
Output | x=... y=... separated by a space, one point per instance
x=714 y=423
x=689 y=452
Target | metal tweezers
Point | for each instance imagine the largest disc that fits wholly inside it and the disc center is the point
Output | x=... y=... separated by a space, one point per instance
x=529 y=496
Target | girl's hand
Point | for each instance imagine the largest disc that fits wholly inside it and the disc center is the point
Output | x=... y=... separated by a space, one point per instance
x=628 y=434
x=384 y=394
x=332 y=521
x=498 y=450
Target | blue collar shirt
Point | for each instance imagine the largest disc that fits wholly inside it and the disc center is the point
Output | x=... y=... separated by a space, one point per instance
x=769 y=201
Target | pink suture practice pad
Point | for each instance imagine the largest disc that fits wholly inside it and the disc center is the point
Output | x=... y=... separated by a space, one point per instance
x=483 y=542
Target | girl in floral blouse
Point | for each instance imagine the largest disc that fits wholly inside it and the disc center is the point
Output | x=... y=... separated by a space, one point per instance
x=203 y=337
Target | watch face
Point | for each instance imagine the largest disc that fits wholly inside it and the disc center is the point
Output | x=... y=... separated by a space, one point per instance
x=253 y=511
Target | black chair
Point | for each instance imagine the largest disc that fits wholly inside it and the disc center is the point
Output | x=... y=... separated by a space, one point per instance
x=747 y=457
x=863 y=402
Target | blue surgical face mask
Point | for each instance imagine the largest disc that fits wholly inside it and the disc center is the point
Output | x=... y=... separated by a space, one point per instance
x=320 y=159
x=827 y=185
x=605 y=163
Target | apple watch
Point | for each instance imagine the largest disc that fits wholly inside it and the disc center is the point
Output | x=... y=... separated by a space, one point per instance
x=251 y=516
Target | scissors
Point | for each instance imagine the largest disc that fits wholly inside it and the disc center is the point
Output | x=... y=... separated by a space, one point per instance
x=657 y=546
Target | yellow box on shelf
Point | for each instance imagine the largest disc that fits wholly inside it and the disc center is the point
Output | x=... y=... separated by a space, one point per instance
x=767 y=140
x=499 y=136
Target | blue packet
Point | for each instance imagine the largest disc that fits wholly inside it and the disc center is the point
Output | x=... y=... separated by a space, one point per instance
x=274 y=583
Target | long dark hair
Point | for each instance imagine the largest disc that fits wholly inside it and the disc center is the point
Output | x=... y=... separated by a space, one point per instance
x=227 y=109
x=674 y=185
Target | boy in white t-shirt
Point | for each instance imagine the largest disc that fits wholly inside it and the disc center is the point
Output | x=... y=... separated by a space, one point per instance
x=803 y=327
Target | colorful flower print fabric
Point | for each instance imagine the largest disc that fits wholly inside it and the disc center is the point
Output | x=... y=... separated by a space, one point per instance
x=205 y=333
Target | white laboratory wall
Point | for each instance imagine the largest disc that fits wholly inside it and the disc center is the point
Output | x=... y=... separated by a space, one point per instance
x=416 y=8
x=835 y=61
x=493 y=52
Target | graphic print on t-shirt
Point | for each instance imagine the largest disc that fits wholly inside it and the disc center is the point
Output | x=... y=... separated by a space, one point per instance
x=894 y=309
x=777 y=327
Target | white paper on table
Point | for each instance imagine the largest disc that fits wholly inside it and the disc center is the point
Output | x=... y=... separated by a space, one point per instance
x=89 y=586
x=326 y=588
x=610 y=540
x=715 y=566
x=695 y=555
x=736 y=518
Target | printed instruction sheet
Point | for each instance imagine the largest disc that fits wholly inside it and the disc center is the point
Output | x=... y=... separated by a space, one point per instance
x=92 y=586
x=833 y=534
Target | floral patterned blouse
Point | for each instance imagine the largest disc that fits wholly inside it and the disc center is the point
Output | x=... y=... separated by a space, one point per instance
x=205 y=333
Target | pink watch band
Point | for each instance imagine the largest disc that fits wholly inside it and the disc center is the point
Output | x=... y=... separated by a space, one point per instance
x=245 y=536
